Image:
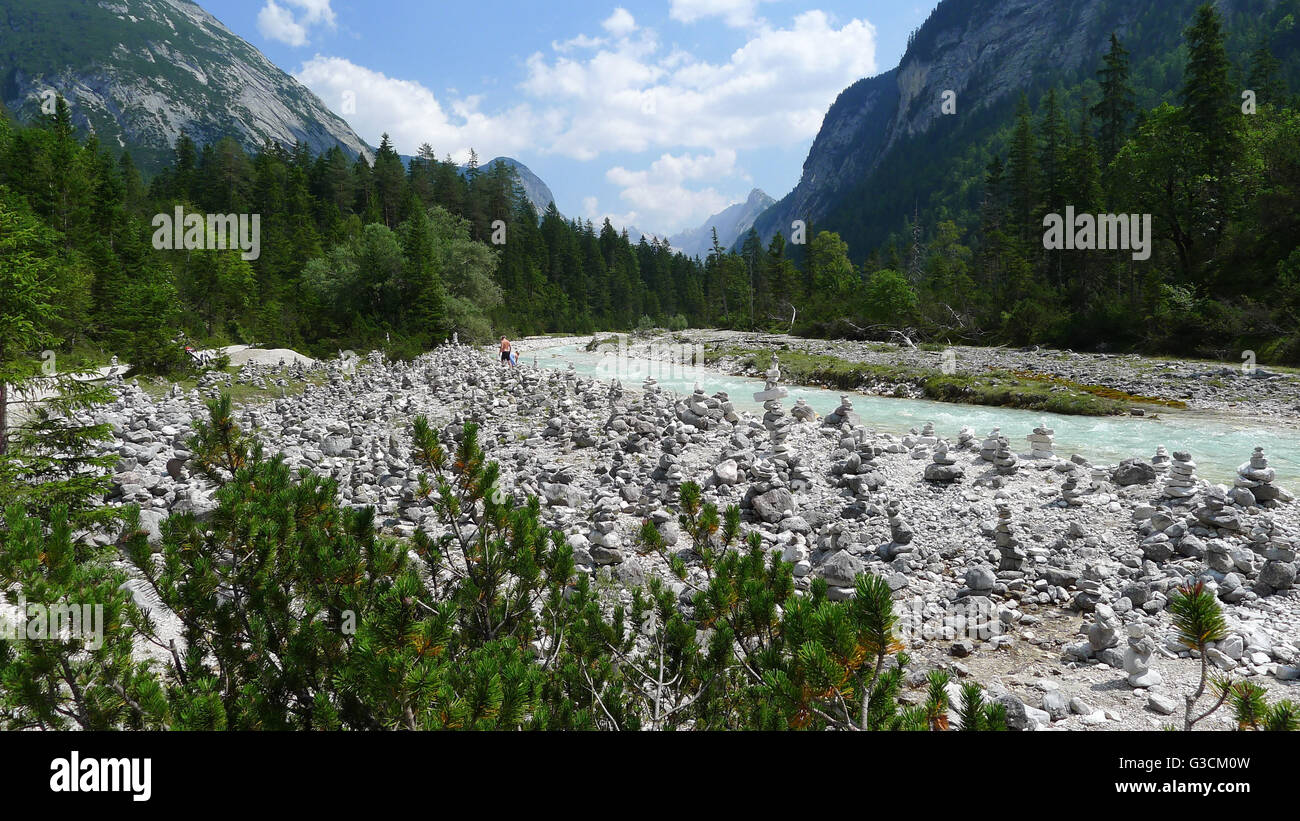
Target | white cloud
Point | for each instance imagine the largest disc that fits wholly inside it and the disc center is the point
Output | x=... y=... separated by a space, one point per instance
x=582 y=41
x=315 y=11
x=411 y=115
x=632 y=96
x=592 y=96
x=660 y=197
x=736 y=13
x=277 y=22
x=621 y=23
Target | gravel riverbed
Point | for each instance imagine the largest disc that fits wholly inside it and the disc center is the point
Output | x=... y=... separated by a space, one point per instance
x=1041 y=576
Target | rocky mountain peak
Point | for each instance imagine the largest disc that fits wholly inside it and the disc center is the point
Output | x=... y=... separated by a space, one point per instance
x=139 y=73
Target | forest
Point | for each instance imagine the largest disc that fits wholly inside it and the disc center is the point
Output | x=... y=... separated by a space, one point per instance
x=296 y=612
x=402 y=255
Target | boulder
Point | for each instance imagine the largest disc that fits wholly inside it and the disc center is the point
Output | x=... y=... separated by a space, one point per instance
x=1133 y=472
x=773 y=506
x=842 y=569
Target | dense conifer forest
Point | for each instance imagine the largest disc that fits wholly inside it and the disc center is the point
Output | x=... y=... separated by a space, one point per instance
x=358 y=254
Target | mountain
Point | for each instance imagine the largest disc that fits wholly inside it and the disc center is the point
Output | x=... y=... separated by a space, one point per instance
x=732 y=224
x=635 y=235
x=537 y=191
x=139 y=72
x=885 y=146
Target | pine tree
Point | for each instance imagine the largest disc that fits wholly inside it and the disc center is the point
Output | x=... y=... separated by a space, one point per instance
x=389 y=182
x=1052 y=157
x=1023 y=173
x=1265 y=76
x=1199 y=620
x=427 y=295
x=1212 y=116
x=47 y=459
x=83 y=677
x=1117 y=104
x=1085 y=193
x=1207 y=96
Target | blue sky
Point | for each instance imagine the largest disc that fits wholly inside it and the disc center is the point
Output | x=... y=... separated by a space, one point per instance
x=656 y=114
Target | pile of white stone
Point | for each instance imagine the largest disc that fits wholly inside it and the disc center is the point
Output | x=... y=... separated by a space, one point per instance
x=1041 y=442
x=1181 y=482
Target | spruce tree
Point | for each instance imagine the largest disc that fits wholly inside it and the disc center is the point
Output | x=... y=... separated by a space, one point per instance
x=1116 y=106
x=1209 y=105
x=1023 y=174
x=1265 y=76
x=47 y=455
x=1052 y=157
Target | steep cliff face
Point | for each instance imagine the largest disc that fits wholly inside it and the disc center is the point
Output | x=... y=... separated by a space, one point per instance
x=139 y=72
x=985 y=51
x=732 y=223
x=852 y=133
x=993 y=52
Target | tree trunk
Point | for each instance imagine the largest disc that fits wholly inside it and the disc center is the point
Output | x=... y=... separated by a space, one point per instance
x=4 y=410
x=4 y=413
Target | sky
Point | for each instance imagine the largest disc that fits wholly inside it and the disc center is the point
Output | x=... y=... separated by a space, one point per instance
x=655 y=114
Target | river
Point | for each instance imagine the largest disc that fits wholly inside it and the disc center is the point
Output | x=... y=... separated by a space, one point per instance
x=1217 y=443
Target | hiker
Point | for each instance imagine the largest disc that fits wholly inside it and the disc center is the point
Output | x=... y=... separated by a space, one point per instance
x=505 y=351
x=514 y=357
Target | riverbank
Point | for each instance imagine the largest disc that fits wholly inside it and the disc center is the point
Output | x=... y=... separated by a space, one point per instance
x=1068 y=381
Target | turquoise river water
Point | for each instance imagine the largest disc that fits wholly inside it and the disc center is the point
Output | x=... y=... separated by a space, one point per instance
x=1217 y=443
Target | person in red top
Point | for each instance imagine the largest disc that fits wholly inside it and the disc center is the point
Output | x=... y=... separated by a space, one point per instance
x=505 y=350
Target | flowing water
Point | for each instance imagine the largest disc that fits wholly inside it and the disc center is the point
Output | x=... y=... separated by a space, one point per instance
x=1218 y=444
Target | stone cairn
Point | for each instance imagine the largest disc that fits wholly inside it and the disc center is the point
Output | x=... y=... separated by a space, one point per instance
x=605 y=542
x=1040 y=442
x=669 y=470
x=1071 y=493
x=1180 y=483
x=1161 y=460
x=844 y=414
x=802 y=412
x=900 y=532
x=943 y=467
x=1103 y=634
x=1257 y=477
x=699 y=401
x=1011 y=555
x=858 y=471
x=1213 y=510
x=1004 y=460
x=992 y=444
x=965 y=439
x=774 y=419
x=927 y=437
x=1137 y=657
x=727 y=407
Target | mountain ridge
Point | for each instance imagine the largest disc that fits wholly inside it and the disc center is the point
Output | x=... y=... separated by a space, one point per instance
x=535 y=188
x=732 y=223
x=139 y=73
x=985 y=51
